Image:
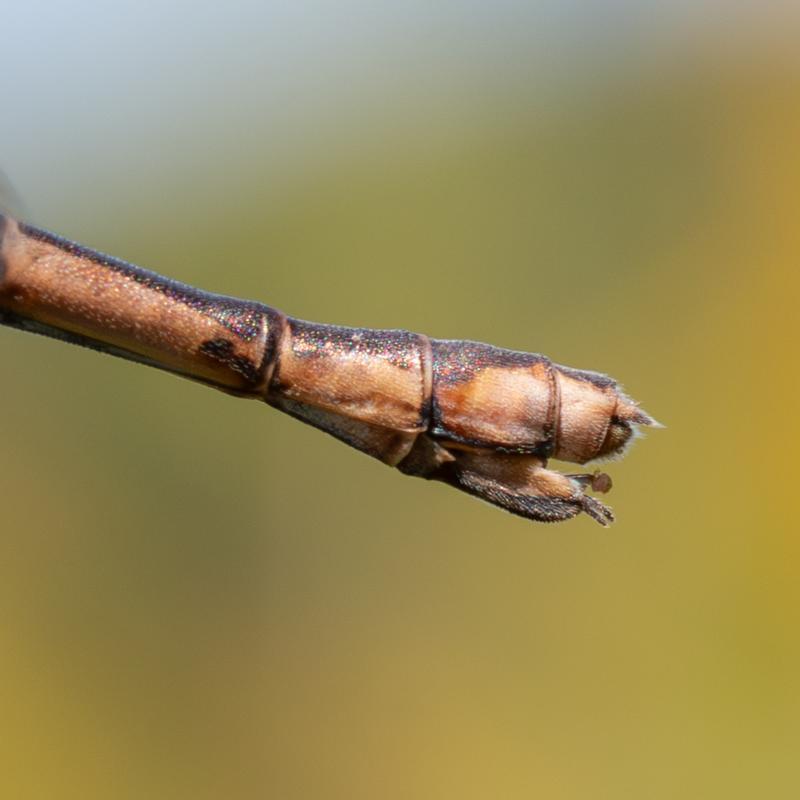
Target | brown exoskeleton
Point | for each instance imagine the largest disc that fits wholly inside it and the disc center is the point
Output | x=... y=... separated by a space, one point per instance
x=481 y=418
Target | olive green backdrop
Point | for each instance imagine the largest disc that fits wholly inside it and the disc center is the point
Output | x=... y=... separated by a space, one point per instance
x=202 y=598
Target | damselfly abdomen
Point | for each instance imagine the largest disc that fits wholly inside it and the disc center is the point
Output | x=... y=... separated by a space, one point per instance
x=481 y=418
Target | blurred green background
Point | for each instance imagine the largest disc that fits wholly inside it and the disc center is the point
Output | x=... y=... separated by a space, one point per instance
x=201 y=598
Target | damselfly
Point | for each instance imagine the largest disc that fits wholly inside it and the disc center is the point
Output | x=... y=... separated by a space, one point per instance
x=481 y=418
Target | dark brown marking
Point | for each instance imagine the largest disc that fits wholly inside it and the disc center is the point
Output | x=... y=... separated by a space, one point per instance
x=241 y=317
x=547 y=446
x=310 y=339
x=421 y=459
x=455 y=361
x=425 y=458
x=597 y=379
x=223 y=351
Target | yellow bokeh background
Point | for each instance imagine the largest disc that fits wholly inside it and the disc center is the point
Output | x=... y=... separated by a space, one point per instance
x=201 y=598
